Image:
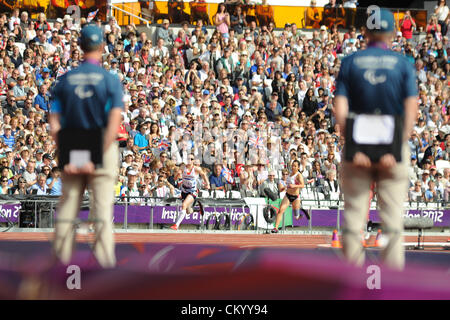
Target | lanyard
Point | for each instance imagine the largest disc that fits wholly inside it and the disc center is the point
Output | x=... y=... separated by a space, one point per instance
x=380 y=45
x=92 y=61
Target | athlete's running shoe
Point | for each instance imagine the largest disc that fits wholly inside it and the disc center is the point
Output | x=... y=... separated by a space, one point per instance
x=306 y=214
x=174 y=227
x=274 y=230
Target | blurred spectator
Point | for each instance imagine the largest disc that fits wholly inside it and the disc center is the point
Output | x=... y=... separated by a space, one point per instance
x=216 y=181
x=434 y=28
x=40 y=187
x=163 y=32
x=163 y=188
x=416 y=193
x=431 y=193
x=330 y=186
x=4 y=185
x=271 y=184
x=21 y=188
x=313 y=15
x=54 y=181
x=222 y=20
x=130 y=192
x=407 y=26
x=316 y=175
x=442 y=11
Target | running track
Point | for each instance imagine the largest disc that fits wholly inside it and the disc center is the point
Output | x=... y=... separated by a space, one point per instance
x=205 y=266
x=234 y=239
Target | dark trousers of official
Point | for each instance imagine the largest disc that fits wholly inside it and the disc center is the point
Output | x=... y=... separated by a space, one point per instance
x=101 y=186
x=392 y=188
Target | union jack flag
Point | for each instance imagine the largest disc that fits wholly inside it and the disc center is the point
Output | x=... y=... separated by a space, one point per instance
x=61 y=71
x=91 y=15
x=257 y=142
x=163 y=145
x=146 y=158
x=227 y=174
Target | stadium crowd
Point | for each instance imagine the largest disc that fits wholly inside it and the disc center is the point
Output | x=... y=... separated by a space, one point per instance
x=243 y=100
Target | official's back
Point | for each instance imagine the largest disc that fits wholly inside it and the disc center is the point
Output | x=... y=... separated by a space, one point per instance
x=84 y=97
x=376 y=80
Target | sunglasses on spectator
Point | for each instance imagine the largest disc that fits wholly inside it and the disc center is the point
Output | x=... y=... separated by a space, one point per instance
x=4 y=180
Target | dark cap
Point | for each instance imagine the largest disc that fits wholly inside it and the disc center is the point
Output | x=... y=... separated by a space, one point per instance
x=48 y=156
x=91 y=35
x=384 y=21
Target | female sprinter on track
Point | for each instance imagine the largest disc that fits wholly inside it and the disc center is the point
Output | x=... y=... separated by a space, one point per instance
x=294 y=185
x=189 y=190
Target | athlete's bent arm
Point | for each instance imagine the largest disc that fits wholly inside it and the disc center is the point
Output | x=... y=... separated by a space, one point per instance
x=301 y=182
x=204 y=177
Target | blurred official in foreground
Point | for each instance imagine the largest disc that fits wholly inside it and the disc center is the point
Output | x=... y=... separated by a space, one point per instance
x=86 y=107
x=376 y=104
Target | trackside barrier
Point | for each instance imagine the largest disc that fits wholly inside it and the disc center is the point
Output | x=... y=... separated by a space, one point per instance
x=221 y=214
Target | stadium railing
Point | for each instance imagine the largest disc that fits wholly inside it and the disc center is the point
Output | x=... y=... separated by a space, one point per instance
x=136 y=212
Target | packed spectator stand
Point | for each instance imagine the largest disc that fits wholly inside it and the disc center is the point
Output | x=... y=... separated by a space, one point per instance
x=245 y=100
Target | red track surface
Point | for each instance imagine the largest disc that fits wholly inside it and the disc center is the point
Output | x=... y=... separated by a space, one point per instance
x=238 y=240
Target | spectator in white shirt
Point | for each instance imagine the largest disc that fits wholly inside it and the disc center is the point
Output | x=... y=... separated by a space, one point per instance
x=416 y=193
x=40 y=187
x=15 y=19
x=163 y=188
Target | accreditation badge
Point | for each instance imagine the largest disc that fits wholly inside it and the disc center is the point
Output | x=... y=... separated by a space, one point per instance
x=374 y=135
